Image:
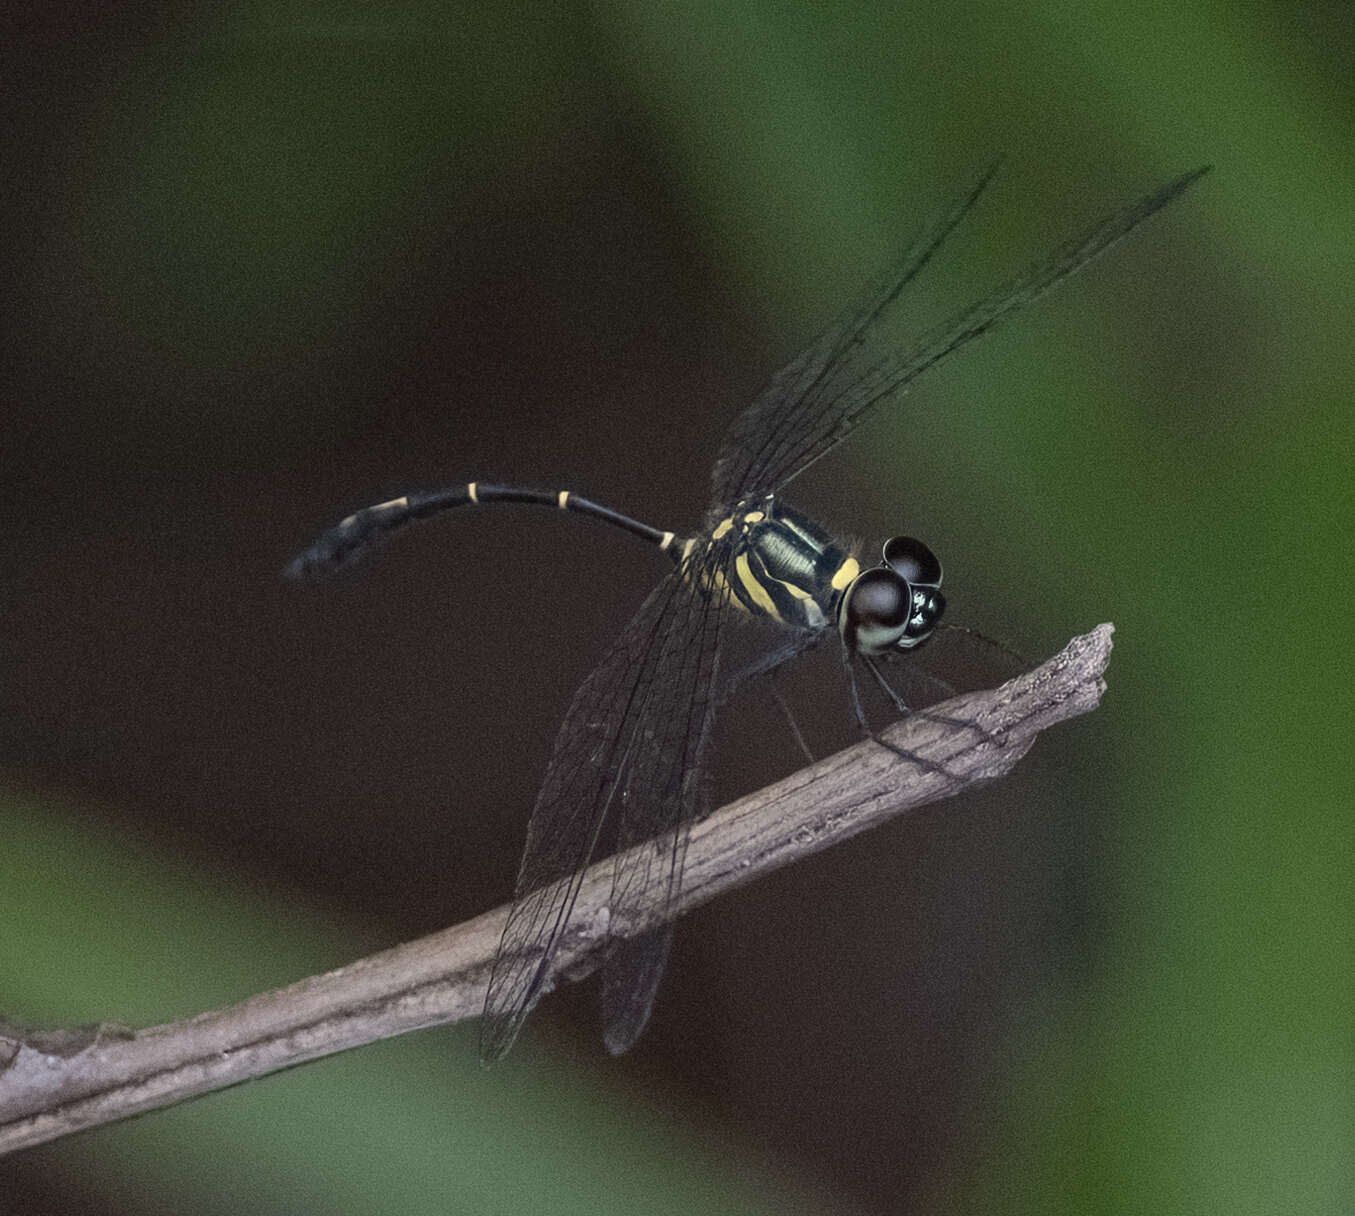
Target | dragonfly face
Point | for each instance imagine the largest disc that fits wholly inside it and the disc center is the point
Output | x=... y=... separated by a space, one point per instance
x=895 y=605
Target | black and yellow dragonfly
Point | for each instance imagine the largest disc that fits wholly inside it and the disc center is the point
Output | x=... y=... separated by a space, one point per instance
x=627 y=765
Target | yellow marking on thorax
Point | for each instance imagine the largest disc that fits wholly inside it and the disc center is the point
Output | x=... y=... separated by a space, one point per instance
x=845 y=574
x=667 y=540
x=713 y=584
x=723 y=529
x=756 y=591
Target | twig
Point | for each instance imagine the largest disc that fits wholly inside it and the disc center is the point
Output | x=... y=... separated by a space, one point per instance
x=53 y=1083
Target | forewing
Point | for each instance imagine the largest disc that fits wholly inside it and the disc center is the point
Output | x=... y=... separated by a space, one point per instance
x=773 y=417
x=827 y=407
x=592 y=751
x=662 y=795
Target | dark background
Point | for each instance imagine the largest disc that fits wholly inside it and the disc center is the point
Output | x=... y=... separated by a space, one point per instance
x=263 y=265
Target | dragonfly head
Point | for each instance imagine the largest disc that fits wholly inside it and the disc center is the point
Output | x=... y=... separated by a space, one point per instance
x=896 y=604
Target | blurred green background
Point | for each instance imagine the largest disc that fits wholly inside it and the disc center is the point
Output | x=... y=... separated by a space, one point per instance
x=264 y=264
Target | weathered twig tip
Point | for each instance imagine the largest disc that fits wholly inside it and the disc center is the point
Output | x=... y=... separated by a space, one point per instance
x=54 y=1083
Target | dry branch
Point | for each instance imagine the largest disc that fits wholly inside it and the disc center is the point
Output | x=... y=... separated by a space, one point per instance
x=53 y=1083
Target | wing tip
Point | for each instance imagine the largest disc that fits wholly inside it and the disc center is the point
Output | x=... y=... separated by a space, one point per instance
x=497 y=1036
x=1179 y=185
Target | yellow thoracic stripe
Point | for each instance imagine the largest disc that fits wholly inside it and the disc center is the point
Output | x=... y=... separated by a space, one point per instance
x=756 y=591
x=845 y=574
x=722 y=529
x=711 y=582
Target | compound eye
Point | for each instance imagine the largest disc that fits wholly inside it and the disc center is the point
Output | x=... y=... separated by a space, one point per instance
x=876 y=610
x=912 y=561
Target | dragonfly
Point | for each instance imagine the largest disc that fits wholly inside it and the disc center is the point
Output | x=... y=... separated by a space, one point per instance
x=629 y=759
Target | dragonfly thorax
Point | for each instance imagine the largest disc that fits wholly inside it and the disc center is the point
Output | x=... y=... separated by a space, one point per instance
x=781 y=564
x=776 y=562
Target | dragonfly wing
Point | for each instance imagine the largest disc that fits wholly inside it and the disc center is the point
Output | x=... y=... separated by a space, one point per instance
x=771 y=420
x=568 y=819
x=663 y=794
x=595 y=755
x=829 y=406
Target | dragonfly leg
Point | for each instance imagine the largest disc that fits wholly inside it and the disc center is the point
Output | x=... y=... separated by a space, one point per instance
x=790 y=717
x=773 y=660
x=944 y=719
x=866 y=729
x=874 y=668
x=990 y=643
x=943 y=687
x=768 y=665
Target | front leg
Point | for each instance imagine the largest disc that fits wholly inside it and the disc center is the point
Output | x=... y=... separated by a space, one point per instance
x=800 y=642
x=945 y=719
x=866 y=729
x=768 y=665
